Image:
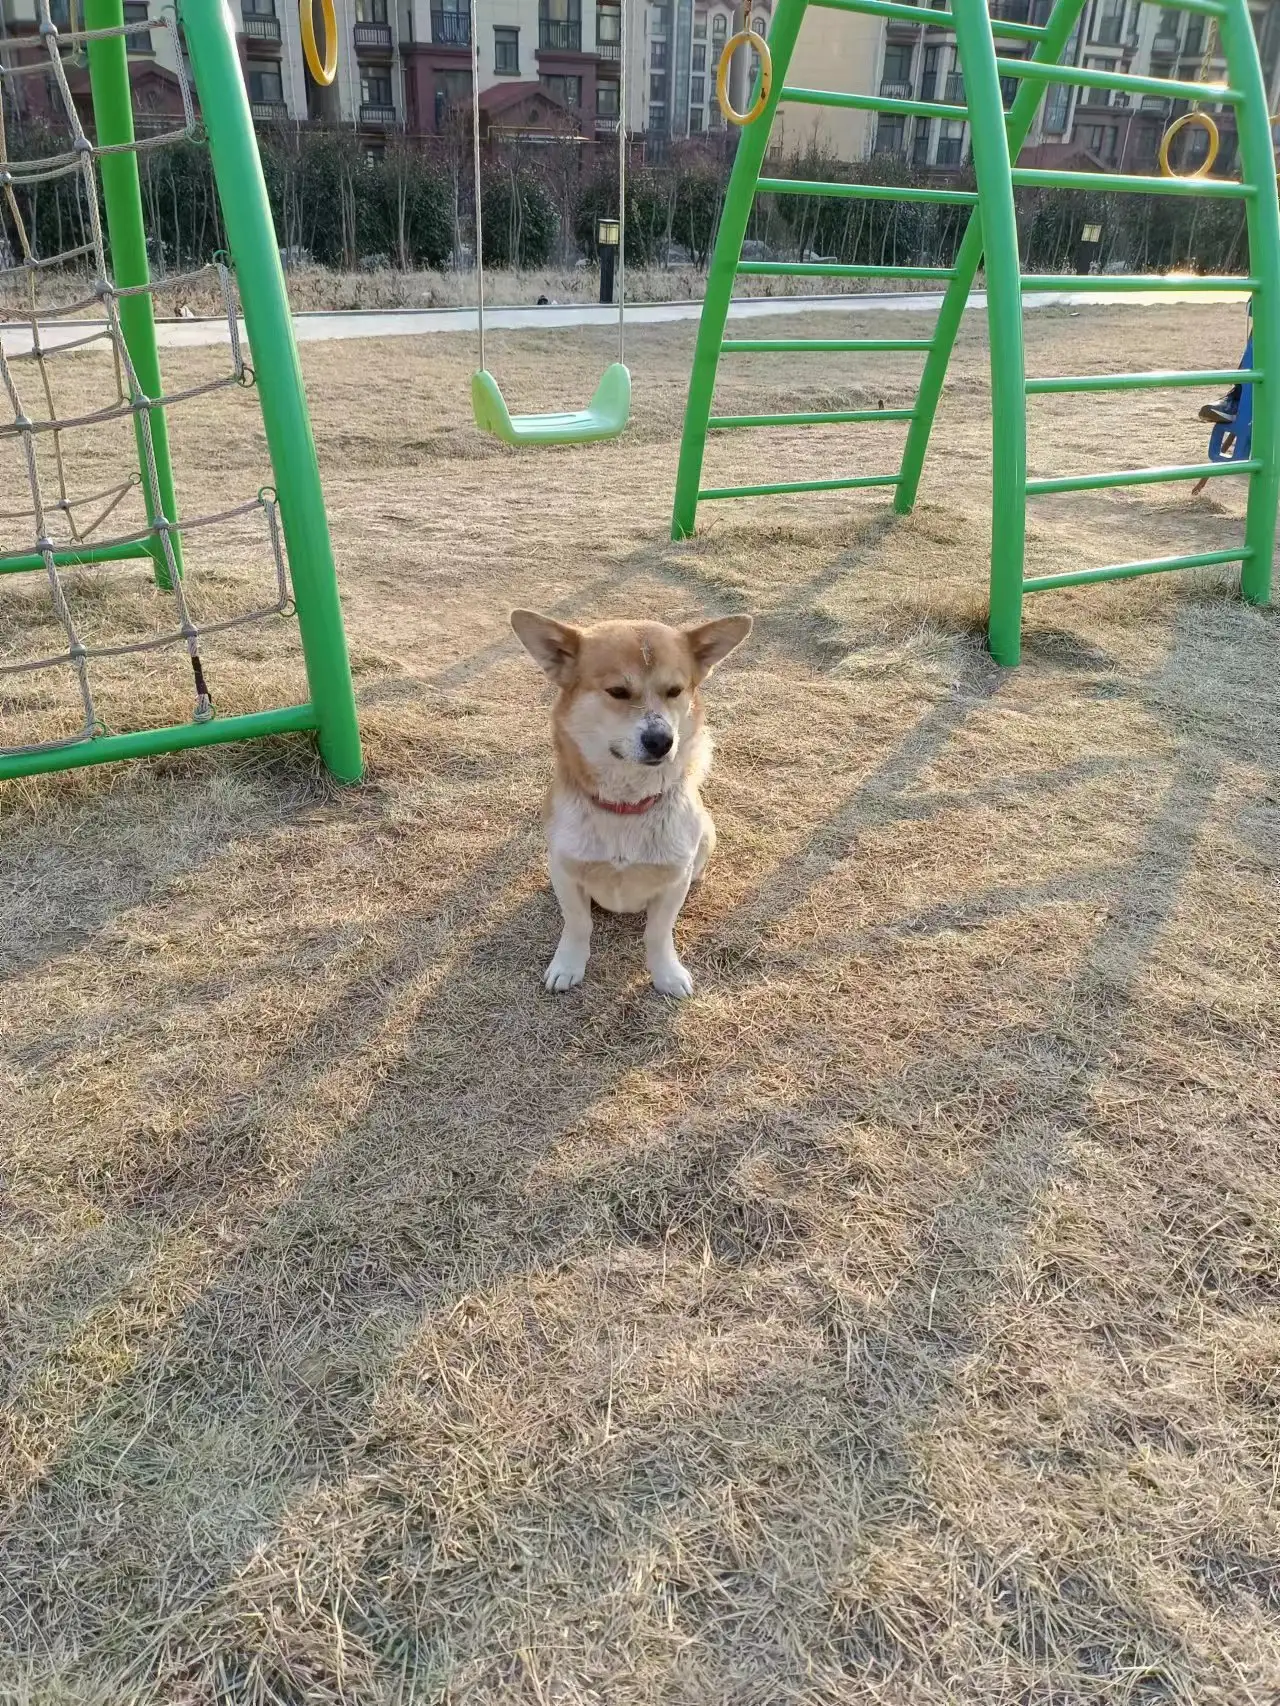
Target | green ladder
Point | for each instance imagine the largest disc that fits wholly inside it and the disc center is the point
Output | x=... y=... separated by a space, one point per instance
x=997 y=137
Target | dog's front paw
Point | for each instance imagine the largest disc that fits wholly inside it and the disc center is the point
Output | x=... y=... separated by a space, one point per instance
x=670 y=978
x=566 y=971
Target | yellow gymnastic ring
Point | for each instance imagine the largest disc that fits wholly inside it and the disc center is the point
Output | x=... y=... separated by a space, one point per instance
x=323 y=70
x=744 y=38
x=1215 y=143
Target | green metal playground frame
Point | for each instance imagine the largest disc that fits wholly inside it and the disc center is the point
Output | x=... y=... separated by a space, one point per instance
x=991 y=239
x=224 y=104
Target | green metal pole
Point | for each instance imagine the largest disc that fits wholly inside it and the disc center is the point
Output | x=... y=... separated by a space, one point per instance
x=1262 y=214
x=1004 y=322
x=1057 y=32
x=122 y=195
x=147 y=743
x=245 y=209
x=724 y=262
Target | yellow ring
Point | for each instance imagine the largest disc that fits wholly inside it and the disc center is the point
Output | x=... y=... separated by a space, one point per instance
x=324 y=71
x=1206 y=123
x=744 y=38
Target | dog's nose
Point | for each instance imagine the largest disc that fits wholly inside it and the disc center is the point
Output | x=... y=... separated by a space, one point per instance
x=657 y=740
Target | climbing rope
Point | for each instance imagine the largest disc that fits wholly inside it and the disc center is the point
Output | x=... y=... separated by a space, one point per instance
x=29 y=336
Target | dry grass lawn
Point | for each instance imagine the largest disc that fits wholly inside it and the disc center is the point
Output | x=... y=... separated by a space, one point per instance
x=898 y=1321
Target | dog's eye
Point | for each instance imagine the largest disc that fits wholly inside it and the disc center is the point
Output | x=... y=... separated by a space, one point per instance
x=674 y=692
x=619 y=692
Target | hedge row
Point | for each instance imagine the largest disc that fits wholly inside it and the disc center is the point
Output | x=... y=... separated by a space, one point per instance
x=413 y=208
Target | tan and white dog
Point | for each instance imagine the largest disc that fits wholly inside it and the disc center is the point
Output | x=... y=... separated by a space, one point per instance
x=626 y=826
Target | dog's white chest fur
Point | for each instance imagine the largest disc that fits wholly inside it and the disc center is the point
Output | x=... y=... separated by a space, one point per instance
x=622 y=859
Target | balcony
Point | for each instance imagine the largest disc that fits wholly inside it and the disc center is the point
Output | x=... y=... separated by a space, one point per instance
x=374 y=116
x=451 y=29
x=1165 y=42
x=373 y=36
x=262 y=29
x=561 y=36
x=896 y=91
x=269 y=112
x=609 y=50
x=606 y=126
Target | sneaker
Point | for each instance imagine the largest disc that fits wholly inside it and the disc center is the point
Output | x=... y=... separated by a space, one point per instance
x=1219 y=414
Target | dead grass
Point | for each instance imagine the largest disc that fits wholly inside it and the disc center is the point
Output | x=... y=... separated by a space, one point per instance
x=897 y=1321
x=317 y=289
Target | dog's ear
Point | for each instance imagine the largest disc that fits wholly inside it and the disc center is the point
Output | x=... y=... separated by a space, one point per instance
x=553 y=646
x=711 y=641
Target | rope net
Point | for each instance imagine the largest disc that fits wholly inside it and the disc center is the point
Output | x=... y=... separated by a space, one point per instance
x=66 y=523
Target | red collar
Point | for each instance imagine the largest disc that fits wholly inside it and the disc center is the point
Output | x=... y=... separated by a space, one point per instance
x=625 y=808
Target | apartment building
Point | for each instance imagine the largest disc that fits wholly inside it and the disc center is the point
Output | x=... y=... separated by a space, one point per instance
x=1111 y=130
x=676 y=47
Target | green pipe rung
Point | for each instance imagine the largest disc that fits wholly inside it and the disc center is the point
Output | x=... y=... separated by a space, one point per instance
x=833 y=269
x=1166 y=88
x=781 y=346
x=1129 y=571
x=1144 y=381
x=927 y=17
x=1115 y=183
x=1138 y=477
x=122 y=551
x=1121 y=283
x=837 y=417
x=771 y=489
x=873 y=103
x=146 y=743
x=865 y=192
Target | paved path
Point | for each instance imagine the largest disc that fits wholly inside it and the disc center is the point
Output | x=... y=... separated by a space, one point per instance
x=417 y=322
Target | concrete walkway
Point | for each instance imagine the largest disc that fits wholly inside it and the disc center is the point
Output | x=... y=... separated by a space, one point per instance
x=420 y=322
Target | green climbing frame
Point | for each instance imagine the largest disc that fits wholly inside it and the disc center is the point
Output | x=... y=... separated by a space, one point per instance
x=991 y=239
x=329 y=711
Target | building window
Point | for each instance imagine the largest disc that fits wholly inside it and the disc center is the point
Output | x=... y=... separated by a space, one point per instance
x=1057 y=104
x=608 y=28
x=1100 y=140
x=453 y=93
x=265 y=88
x=700 y=57
x=1108 y=22
x=762 y=27
x=951 y=142
x=560 y=25
x=929 y=77
x=657 y=88
x=371 y=11
x=566 y=90
x=258 y=8
x=657 y=55
x=375 y=89
x=695 y=120
x=895 y=79
x=699 y=26
x=890 y=133
x=506 y=51
x=607 y=100
x=920 y=149
x=719 y=29
x=136 y=12
x=697 y=90
x=657 y=116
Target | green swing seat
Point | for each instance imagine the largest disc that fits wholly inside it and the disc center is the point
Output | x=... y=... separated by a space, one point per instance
x=605 y=415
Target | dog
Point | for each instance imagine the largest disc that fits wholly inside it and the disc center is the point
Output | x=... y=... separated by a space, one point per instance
x=626 y=826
